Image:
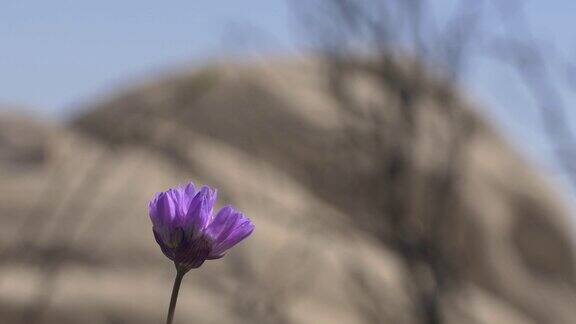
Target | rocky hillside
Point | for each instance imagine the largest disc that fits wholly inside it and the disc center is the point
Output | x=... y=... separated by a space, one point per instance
x=77 y=244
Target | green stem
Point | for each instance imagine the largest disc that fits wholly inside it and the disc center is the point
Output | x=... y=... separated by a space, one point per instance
x=179 y=275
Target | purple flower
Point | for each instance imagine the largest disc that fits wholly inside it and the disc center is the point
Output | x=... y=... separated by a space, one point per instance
x=186 y=230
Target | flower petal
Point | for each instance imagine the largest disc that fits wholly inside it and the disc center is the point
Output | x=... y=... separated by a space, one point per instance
x=153 y=208
x=165 y=249
x=183 y=195
x=227 y=229
x=190 y=190
x=162 y=210
x=200 y=211
x=177 y=197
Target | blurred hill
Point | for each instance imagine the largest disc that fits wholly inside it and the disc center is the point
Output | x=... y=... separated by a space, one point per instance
x=77 y=244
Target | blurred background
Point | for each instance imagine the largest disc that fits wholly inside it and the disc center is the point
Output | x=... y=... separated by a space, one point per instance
x=404 y=161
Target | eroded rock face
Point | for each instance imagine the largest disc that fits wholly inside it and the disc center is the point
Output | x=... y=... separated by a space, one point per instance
x=270 y=138
x=22 y=142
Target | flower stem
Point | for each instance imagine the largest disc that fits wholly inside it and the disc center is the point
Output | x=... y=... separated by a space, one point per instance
x=179 y=275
